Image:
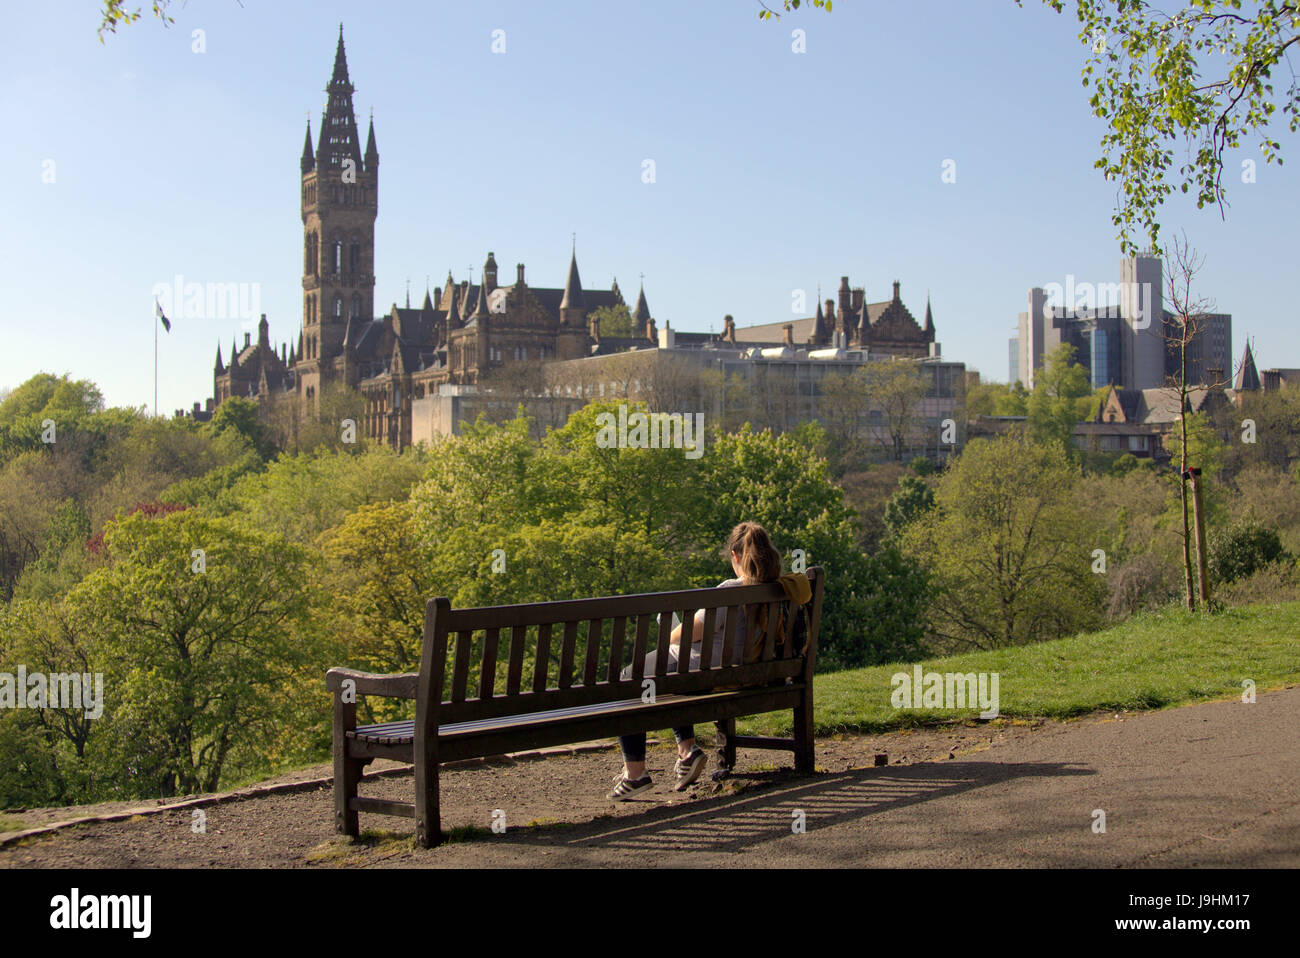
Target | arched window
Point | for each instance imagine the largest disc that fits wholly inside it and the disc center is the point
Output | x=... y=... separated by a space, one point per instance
x=354 y=257
x=338 y=306
x=338 y=256
x=356 y=305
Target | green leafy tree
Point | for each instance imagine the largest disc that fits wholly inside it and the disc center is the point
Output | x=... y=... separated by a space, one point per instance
x=198 y=646
x=896 y=387
x=1014 y=402
x=1008 y=547
x=244 y=417
x=377 y=580
x=302 y=496
x=1240 y=550
x=1195 y=76
x=616 y=321
x=913 y=499
x=1058 y=401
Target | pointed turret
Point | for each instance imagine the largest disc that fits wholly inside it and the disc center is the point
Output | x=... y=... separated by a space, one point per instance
x=821 y=328
x=308 y=155
x=490 y=272
x=372 y=151
x=427 y=305
x=1247 y=374
x=234 y=354
x=573 y=286
x=480 y=307
x=219 y=367
x=642 y=313
x=929 y=321
x=453 y=310
x=264 y=332
x=300 y=344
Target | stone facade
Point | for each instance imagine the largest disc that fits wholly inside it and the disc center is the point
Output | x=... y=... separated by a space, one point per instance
x=460 y=334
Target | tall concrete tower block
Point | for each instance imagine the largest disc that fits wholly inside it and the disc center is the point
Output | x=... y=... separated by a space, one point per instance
x=1142 y=308
x=1033 y=326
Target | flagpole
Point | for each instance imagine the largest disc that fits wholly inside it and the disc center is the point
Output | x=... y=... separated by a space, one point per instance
x=155 y=364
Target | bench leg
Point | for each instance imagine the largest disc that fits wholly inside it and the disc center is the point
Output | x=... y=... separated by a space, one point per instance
x=347 y=770
x=805 y=759
x=726 y=754
x=428 y=817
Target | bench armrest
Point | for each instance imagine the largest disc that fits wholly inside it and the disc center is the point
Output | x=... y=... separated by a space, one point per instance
x=401 y=685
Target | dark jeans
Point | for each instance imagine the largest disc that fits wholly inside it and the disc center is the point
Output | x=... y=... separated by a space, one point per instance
x=633 y=746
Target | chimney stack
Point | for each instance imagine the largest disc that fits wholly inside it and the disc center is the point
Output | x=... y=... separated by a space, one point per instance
x=519 y=274
x=728 y=329
x=788 y=331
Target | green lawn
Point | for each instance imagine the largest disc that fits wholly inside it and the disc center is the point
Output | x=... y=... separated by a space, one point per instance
x=1162 y=658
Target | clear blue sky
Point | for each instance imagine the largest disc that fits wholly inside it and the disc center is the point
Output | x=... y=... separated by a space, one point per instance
x=776 y=171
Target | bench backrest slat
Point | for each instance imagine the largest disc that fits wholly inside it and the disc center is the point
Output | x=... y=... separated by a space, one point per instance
x=707 y=643
x=460 y=672
x=616 y=649
x=518 y=645
x=567 y=652
x=488 y=667
x=543 y=662
x=688 y=627
x=665 y=643
x=639 y=644
x=729 y=636
x=595 y=629
x=770 y=633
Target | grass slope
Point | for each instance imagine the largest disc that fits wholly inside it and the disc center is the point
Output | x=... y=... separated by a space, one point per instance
x=1166 y=657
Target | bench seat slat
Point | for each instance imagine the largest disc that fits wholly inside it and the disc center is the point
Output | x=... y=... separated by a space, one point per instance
x=404 y=732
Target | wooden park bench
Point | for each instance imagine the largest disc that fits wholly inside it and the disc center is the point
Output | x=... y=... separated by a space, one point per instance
x=505 y=691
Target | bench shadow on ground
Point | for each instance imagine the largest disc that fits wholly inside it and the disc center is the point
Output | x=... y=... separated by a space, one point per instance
x=763 y=811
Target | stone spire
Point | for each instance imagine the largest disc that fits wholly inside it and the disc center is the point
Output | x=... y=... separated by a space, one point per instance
x=821 y=330
x=480 y=308
x=453 y=309
x=1247 y=374
x=338 y=133
x=372 y=151
x=219 y=367
x=340 y=61
x=308 y=155
x=642 y=313
x=929 y=320
x=573 y=286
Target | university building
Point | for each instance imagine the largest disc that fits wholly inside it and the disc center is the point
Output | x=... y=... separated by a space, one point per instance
x=423 y=371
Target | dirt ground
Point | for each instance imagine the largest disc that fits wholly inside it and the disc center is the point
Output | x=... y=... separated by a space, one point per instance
x=534 y=796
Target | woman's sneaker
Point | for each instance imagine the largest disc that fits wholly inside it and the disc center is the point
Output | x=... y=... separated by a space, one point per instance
x=626 y=788
x=689 y=768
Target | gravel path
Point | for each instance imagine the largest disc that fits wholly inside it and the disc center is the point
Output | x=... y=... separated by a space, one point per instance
x=1216 y=784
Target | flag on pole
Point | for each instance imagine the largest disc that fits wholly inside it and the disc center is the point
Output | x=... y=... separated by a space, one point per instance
x=157 y=308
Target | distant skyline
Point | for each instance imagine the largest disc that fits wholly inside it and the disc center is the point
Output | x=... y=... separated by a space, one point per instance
x=774 y=171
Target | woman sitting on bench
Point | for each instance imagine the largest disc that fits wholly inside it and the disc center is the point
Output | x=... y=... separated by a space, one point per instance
x=755 y=560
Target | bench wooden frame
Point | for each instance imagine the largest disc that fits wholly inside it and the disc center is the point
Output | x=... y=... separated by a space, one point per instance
x=468 y=721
